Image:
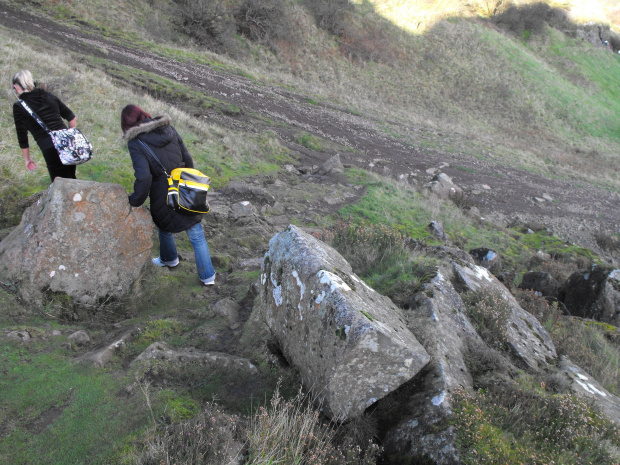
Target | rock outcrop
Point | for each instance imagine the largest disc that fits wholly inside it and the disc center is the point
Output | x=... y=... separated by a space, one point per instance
x=80 y=240
x=350 y=344
x=531 y=344
x=594 y=293
x=541 y=282
x=417 y=416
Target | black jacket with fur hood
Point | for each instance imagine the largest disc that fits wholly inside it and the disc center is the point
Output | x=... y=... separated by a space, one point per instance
x=151 y=181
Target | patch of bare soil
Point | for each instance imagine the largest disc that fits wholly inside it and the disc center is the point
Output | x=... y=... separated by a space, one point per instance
x=503 y=195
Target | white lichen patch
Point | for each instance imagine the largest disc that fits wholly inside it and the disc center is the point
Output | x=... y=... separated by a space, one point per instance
x=62 y=267
x=482 y=273
x=438 y=400
x=52 y=274
x=320 y=297
x=333 y=281
x=300 y=284
x=615 y=274
x=277 y=295
x=77 y=197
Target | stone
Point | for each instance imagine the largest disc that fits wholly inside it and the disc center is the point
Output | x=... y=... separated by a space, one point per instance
x=243 y=209
x=529 y=341
x=541 y=282
x=21 y=335
x=240 y=189
x=594 y=293
x=442 y=186
x=103 y=353
x=228 y=309
x=79 y=338
x=332 y=166
x=419 y=420
x=349 y=343
x=586 y=387
x=83 y=240
x=484 y=257
x=436 y=229
x=162 y=351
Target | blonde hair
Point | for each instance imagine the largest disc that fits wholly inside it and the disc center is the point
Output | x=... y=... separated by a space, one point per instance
x=24 y=80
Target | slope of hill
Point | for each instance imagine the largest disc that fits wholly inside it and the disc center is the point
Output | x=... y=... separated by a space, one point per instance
x=522 y=113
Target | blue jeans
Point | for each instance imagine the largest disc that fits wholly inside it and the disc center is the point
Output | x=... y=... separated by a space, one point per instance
x=168 y=249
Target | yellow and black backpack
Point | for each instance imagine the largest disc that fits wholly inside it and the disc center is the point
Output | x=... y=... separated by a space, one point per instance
x=187 y=187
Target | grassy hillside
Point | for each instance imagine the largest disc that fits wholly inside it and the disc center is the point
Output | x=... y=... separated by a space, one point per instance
x=522 y=92
x=542 y=99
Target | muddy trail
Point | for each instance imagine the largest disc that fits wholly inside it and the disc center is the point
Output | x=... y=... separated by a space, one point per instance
x=508 y=195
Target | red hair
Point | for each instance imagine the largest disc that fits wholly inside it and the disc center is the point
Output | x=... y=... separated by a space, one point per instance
x=131 y=116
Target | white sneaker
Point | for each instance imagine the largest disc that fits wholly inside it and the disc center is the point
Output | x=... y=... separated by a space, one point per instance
x=209 y=281
x=171 y=264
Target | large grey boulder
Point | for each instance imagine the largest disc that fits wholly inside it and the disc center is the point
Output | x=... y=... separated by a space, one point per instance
x=594 y=293
x=350 y=344
x=530 y=342
x=417 y=419
x=81 y=240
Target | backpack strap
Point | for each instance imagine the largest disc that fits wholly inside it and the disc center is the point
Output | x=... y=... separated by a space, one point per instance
x=34 y=115
x=148 y=149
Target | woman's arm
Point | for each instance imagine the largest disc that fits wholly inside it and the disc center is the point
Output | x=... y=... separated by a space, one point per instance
x=73 y=123
x=142 y=173
x=30 y=165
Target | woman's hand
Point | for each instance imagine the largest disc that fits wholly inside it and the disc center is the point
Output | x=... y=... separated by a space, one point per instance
x=30 y=165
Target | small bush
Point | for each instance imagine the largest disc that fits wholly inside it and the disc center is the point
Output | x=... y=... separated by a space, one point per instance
x=330 y=14
x=367 y=41
x=507 y=425
x=379 y=254
x=489 y=313
x=263 y=21
x=607 y=242
x=209 y=437
x=209 y=22
x=292 y=432
x=532 y=19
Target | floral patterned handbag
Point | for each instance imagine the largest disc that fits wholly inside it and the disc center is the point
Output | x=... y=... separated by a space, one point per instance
x=72 y=146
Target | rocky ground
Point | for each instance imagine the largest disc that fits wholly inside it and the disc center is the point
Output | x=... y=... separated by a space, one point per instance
x=502 y=194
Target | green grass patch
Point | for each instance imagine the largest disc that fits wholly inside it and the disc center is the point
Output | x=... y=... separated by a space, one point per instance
x=310 y=142
x=56 y=411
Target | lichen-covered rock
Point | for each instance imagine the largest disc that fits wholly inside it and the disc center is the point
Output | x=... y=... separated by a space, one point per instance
x=350 y=344
x=417 y=419
x=586 y=387
x=81 y=240
x=528 y=339
x=162 y=351
x=594 y=293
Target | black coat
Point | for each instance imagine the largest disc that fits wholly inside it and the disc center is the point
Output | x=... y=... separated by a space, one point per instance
x=151 y=181
x=49 y=108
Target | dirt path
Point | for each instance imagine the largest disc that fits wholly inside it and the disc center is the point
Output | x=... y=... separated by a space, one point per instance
x=576 y=213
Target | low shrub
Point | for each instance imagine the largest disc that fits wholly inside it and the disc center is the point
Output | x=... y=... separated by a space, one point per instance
x=264 y=21
x=210 y=437
x=208 y=22
x=489 y=313
x=530 y=19
x=380 y=256
x=330 y=14
x=608 y=242
x=509 y=425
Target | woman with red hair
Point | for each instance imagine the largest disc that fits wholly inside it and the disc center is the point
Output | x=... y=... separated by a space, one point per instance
x=151 y=181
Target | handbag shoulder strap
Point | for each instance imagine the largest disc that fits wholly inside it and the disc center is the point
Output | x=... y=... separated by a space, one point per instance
x=148 y=149
x=34 y=115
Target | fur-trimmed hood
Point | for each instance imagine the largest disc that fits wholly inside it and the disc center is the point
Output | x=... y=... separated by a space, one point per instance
x=147 y=126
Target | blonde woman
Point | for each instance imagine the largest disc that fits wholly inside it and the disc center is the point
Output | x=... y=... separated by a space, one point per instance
x=51 y=111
